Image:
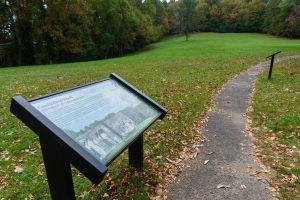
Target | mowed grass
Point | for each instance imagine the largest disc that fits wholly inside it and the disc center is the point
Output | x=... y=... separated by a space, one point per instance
x=182 y=76
x=276 y=123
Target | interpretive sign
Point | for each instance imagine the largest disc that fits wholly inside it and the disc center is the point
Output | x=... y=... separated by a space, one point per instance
x=272 y=56
x=102 y=118
x=88 y=126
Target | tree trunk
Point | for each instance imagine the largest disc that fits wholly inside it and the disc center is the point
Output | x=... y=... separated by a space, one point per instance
x=17 y=43
x=19 y=36
x=186 y=36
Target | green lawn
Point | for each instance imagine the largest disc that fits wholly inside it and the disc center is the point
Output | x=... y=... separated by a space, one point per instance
x=180 y=75
x=276 y=123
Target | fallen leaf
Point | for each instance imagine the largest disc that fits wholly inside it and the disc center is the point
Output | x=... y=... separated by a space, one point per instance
x=18 y=169
x=223 y=186
x=158 y=157
x=159 y=191
x=171 y=161
x=243 y=187
x=295 y=178
x=105 y=195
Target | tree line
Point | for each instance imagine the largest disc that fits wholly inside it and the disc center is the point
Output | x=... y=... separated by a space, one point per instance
x=53 y=31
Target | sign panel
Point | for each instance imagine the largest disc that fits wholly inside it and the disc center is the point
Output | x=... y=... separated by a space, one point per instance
x=102 y=117
x=88 y=126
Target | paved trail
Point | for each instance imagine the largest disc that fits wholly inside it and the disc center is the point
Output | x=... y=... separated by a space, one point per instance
x=227 y=148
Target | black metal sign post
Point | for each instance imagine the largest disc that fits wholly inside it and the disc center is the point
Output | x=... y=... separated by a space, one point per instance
x=58 y=170
x=60 y=150
x=272 y=63
x=136 y=154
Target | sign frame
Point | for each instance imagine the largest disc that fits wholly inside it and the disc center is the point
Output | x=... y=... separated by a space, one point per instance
x=60 y=150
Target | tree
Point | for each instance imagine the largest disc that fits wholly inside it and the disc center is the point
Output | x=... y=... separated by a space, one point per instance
x=16 y=31
x=282 y=18
x=173 y=17
x=51 y=31
x=65 y=25
x=156 y=12
x=136 y=3
x=293 y=23
x=5 y=38
x=187 y=11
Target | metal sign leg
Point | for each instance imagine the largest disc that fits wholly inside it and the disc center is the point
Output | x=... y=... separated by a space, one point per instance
x=136 y=154
x=271 y=67
x=58 y=171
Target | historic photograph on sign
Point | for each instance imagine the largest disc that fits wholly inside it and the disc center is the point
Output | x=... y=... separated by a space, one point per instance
x=102 y=117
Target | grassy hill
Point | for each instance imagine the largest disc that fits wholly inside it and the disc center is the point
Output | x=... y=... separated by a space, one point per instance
x=182 y=76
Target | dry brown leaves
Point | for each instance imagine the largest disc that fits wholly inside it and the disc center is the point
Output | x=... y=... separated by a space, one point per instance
x=174 y=167
x=266 y=173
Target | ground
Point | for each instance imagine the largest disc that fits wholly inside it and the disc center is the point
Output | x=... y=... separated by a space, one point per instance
x=276 y=125
x=227 y=167
x=182 y=76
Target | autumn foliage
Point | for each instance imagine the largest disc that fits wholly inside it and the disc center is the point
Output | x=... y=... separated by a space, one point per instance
x=54 y=31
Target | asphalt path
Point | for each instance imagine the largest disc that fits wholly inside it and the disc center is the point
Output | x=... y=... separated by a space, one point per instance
x=226 y=167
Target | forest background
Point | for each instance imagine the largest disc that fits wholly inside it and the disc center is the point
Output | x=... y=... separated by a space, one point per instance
x=54 y=31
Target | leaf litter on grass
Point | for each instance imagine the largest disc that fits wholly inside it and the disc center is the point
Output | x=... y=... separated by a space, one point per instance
x=275 y=125
x=184 y=84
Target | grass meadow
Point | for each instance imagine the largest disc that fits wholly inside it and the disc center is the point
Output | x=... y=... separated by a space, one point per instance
x=181 y=75
x=276 y=124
